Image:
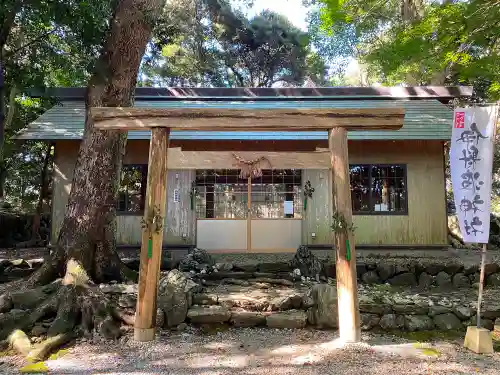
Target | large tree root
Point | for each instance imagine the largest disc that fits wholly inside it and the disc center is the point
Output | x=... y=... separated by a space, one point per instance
x=71 y=306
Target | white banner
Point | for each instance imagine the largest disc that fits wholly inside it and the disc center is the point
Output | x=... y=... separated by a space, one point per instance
x=471 y=163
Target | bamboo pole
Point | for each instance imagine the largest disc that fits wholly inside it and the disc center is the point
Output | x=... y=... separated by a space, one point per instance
x=481 y=286
x=347 y=288
x=152 y=235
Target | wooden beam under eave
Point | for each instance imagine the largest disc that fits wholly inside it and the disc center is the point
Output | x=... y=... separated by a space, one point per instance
x=220 y=119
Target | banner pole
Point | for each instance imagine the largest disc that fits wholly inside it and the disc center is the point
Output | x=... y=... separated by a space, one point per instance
x=481 y=286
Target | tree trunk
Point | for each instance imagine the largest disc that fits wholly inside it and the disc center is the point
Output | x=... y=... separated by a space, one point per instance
x=44 y=187
x=85 y=250
x=87 y=232
x=7 y=20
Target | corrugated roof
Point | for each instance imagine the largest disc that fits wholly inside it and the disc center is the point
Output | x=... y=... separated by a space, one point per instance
x=424 y=119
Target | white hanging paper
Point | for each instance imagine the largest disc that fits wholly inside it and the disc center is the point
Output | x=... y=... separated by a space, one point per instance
x=471 y=163
x=288 y=207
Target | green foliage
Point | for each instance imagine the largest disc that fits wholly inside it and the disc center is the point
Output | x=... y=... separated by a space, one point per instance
x=415 y=42
x=210 y=43
x=340 y=224
x=42 y=44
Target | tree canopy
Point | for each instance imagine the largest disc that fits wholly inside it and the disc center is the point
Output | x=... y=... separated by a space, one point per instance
x=423 y=42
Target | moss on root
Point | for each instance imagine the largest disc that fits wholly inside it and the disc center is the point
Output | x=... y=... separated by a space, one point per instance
x=35 y=368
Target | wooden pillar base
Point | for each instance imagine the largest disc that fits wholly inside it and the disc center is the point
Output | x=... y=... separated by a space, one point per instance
x=144 y=334
x=479 y=340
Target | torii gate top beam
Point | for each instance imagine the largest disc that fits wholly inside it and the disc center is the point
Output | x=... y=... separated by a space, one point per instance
x=113 y=118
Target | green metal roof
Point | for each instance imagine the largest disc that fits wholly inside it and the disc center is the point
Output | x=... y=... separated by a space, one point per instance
x=424 y=119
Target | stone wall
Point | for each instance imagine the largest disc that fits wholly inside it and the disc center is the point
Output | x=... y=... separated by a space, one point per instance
x=414 y=273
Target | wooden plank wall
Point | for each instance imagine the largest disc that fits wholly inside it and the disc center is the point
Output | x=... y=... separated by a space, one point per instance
x=318 y=214
x=426 y=222
x=424 y=225
x=181 y=220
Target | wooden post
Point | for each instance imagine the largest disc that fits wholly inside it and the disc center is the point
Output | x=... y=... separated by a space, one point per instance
x=347 y=288
x=152 y=235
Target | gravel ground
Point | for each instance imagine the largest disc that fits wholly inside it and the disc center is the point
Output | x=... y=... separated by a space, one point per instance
x=266 y=352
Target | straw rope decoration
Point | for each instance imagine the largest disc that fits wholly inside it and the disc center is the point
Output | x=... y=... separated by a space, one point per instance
x=252 y=168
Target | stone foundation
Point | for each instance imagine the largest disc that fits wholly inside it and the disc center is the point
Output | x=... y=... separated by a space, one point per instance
x=272 y=303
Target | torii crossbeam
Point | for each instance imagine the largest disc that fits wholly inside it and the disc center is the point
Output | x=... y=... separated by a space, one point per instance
x=160 y=121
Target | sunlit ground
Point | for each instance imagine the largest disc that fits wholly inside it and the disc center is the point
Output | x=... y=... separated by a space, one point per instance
x=265 y=351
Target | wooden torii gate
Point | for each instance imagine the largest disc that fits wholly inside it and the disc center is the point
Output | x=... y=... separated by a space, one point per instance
x=337 y=121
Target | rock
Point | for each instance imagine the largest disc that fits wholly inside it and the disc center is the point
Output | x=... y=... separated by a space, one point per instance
x=491 y=268
x=286 y=303
x=493 y=280
x=288 y=319
x=245 y=267
x=434 y=268
x=196 y=260
x=369 y=321
x=274 y=267
x=410 y=309
x=474 y=278
x=160 y=318
x=308 y=263
x=392 y=321
x=110 y=329
x=386 y=271
x=296 y=274
x=490 y=312
x=470 y=270
x=201 y=256
x=370 y=277
x=404 y=279
x=447 y=322
x=226 y=267
x=443 y=279
x=208 y=314
x=173 y=298
x=229 y=275
x=438 y=309
x=118 y=288
x=127 y=300
x=273 y=281
x=181 y=327
x=418 y=323
x=330 y=269
x=425 y=280
x=374 y=308
x=38 y=330
x=461 y=281
x=5 y=303
x=247 y=319
x=323 y=313
x=453 y=268
x=463 y=312
x=402 y=268
x=235 y=282
x=360 y=269
x=497 y=325
x=485 y=323
x=205 y=299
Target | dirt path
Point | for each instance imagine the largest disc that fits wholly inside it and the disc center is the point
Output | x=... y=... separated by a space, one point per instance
x=266 y=352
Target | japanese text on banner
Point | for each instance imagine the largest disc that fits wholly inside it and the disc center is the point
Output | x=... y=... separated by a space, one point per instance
x=471 y=162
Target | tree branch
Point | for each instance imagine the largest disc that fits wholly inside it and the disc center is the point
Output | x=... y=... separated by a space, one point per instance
x=31 y=42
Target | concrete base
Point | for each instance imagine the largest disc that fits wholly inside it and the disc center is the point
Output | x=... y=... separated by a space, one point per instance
x=478 y=340
x=144 y=334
